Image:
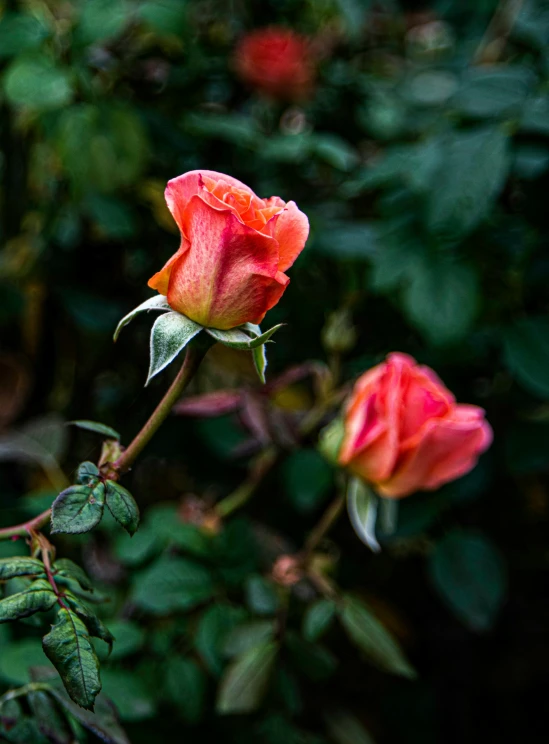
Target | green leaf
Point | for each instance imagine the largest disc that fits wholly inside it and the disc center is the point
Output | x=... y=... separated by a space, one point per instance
x=470 y=576
x=69 y=649
x=16 y=659
x=308 y=479
x=362 y=505
x=169 y=336
x=245 y=681
x=39 y=597
x=237 y=339
x=315 y=661
x=335 y=151
x=214 y=625
x=20 y=32
x=186 y=687
x=246 y=636
x=52 y=724
x=87 y=474
x=318 y=618
x=238 y=130
x=11 y=567
x=122 y=506
x=172 y=584
x=98 y=428
x=103 y=722
x=164 y=16
x=101 y=20
x=441 y=300
x=331 y=439
x=78 y=509
x=130 y=694
x=158 y=302
x=344 y=728
x=66 y=567
x=365 y=630
x=261 y=596
x=494 y=91
x=129 y=636
x=471 y=175
x=37 y=83
x=94 y=625
x=526 y=349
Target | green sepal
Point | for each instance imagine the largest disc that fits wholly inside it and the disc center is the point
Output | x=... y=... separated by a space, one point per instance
x=259 y=353
x=122 y=506
x=94 y=625
x=78 y=509
x=66 y=567
x=169 y=336
x=158 y=302
x=87 y=474
x=69 y=648
x=39 y=597
x=97 y=428
x=12 y=567
x=331 y=439
x=362 y=505
x=236 y=338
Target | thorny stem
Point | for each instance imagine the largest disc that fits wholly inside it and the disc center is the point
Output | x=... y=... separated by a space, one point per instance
x=246 y=490
x=193 y=358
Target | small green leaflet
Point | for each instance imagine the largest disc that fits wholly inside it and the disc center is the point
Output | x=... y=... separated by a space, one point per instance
x=245 y=681
x=169 y=336
x=87 y=474
x=78 y=509
x=96 y=427
x=12 y=567
x=365 y=630
x=66 y=567
x=318 y=619
x=39 y=597
x=69 y=649
x=122 y=506
x=158 y=302
x=94 y=625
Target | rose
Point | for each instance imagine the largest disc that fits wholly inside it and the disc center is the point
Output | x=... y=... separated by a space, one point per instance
x=235 y=247
x=277 y=61
x=404 y=431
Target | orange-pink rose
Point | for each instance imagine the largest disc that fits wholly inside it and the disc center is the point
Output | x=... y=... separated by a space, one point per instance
x=276 y=61
x=235 y=248
x=404 y=431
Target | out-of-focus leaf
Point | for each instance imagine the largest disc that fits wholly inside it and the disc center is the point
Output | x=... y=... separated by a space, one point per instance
x=122 y=506
x=103 y=722
x=129 y=639
x=348 y=240
x=164 y=16
x=50 y=722
x=318 y=618
x=172 y=584
x=307 y=479
x=129 y=693
x=469 y=574
x=344 y=728
x=113 y=218
x=18 y=657
x=495 y=91
x=535 y=116
x=37 y=83
x=246 y=636
x=365 y=630
x=330 y=440
x=69 y=648
x=102 y=19
x=96 y=427
x=78 y=509
x=261 y=596
x=334 y=151
x=39 y=597
x=245 y=681
x=441 y=299
x=313 y=660
x=20 y=32
x=470 y=177
x=526 y=347
x=238 y=130
x=214 y=625
x=186 y=688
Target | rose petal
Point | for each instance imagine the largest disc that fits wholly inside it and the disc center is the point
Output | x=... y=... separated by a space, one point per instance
x=291 y=231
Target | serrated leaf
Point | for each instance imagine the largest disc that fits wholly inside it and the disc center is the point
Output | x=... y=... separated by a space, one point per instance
x=87 y=474
x=94 y=625
x=235 y=338
x=12 y=567
x=245 y=681
x=362 y=508
x=48 y=717
x=122 y=506
x=318 y=619
x=66 y=567
x=96 y=427
x=102 y=722
x=39 y=597
x=365 y=630
x=158 y=302
x=70 y=650
x=78 y=509
x=469 y=574
x=169 y=336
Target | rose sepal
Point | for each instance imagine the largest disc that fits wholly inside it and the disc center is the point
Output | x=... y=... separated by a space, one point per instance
x=158 y=302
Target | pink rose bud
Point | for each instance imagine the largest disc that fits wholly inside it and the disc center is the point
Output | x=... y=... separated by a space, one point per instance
x=235 y=248
x=404 y=431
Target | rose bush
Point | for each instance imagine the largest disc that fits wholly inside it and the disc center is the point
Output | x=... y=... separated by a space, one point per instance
x=404 y=431
x=276 y=61
x=235 y=248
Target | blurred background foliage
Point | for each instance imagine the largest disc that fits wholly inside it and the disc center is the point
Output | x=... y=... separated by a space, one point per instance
x=422 y=160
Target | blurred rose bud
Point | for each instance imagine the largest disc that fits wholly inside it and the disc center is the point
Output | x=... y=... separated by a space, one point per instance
x=339 y=333
x=276 y=61
x=429 y=41
x=404 y=431
x=234 y=250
